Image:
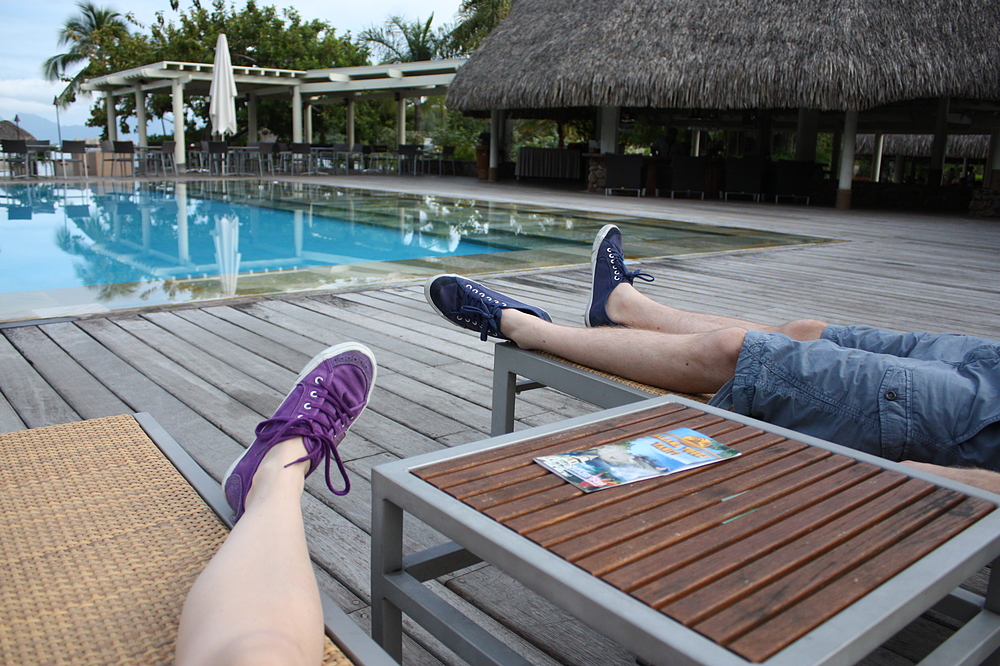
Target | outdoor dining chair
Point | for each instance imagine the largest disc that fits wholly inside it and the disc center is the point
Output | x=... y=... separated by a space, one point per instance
x=96 y=569
x=77 y=151
x=266 y=150
x=447 y=154
x=624 y=173
x=301 y=157
x=217 y=153
x=159 y=160
x=408 y=155
x=16 y=157
x=119 y=153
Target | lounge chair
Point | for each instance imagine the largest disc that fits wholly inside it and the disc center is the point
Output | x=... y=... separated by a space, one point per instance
x=97 y=561
x=541 y=369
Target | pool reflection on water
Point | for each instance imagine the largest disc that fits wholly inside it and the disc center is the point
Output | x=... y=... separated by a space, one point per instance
x=81 y=249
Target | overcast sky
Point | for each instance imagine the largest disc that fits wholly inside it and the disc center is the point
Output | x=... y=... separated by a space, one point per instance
x=29 y=35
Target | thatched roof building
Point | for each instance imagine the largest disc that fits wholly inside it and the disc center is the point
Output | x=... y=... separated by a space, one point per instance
x=9 y=130
x=833 y=55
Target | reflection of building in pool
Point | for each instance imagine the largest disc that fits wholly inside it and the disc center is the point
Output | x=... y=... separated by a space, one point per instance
x=193 y=232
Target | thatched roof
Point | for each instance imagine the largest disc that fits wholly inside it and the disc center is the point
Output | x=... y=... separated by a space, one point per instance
x=975 y=146
x=733 y=54
x=9 y=130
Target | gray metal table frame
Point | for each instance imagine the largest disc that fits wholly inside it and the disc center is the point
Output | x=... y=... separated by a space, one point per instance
x=843 y=639
x=510 y=361
x=348 y=636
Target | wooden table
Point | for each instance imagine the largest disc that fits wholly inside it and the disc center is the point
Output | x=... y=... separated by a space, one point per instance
x=796 y=552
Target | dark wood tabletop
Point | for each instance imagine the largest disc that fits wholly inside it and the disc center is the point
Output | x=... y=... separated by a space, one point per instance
x=752 y=552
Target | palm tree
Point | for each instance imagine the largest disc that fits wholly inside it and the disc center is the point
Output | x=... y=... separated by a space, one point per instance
x=477 y=18
x=400 y=40
x=85 y=34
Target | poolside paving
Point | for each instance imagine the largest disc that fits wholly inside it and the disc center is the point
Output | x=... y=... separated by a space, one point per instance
x=209 y=373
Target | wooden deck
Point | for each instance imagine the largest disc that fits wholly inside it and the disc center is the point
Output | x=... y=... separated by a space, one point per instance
x=210 y=373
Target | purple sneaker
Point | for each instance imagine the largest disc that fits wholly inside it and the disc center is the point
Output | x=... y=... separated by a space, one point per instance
x=607 y=271
x=468 y=304
x=328 y=395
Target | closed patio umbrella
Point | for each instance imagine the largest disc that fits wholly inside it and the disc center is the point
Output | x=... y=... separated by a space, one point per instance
x=222 y=107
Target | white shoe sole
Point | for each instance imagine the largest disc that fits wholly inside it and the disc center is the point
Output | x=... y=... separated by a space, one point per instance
x=601 y=235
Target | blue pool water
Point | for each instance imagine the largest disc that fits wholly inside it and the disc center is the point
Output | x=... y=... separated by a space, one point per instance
x=84 y=238
x=82 y=249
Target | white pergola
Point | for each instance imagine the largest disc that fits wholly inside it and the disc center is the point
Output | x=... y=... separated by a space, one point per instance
x=345 y=85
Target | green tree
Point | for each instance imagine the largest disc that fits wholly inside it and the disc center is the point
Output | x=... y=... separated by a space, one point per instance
x=476 y=19
x=91 y=36
x=259 y=36
x=400 y=40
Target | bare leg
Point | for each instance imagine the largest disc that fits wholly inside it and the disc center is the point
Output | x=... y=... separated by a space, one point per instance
x=257 y=601
x=687 y=362
x=630 y=308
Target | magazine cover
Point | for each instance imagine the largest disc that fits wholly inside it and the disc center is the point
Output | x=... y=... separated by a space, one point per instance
x=637 y=459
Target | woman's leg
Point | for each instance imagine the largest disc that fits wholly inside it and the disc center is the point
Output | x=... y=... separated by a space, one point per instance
x=257 y=601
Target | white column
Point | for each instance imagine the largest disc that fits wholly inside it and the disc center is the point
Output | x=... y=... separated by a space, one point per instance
x=991 y=176
x=847 y=159
x=296 y=114
x=695 y=143
x=140 y=115
x=877 y=157
x=806 y=134
x=109 y=108
x=400 y=120
x=494 y=144
x=350 y=123
x=252 y=134
x=935 y=172
x=309 y=123
x=609 y=129
x=177 y=98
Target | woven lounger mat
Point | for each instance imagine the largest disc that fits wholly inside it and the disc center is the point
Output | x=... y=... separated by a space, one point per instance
x=652 y=390
x=102 y=538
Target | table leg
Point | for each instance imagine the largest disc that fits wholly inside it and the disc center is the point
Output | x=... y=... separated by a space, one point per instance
x=504 y=394
x=387 y=558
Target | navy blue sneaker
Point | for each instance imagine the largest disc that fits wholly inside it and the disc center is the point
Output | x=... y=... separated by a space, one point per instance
x=607 y=271
x=470 y=305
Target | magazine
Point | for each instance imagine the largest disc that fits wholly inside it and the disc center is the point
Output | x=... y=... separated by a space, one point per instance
x=649 y=456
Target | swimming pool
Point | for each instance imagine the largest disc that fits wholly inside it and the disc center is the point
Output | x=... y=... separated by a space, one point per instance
x=82 y=249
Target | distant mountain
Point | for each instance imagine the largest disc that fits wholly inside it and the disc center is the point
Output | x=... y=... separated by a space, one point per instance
x=43 y=128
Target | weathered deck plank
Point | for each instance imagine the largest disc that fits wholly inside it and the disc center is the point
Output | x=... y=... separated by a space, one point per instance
x=208 y=374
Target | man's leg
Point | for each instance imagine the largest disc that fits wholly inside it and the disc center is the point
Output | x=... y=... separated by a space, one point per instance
x=626 y=306
x=687 y=362
x=695 y=354
x=615 y=302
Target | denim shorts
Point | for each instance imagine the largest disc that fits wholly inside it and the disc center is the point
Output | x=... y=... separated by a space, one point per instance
x=902 y=396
